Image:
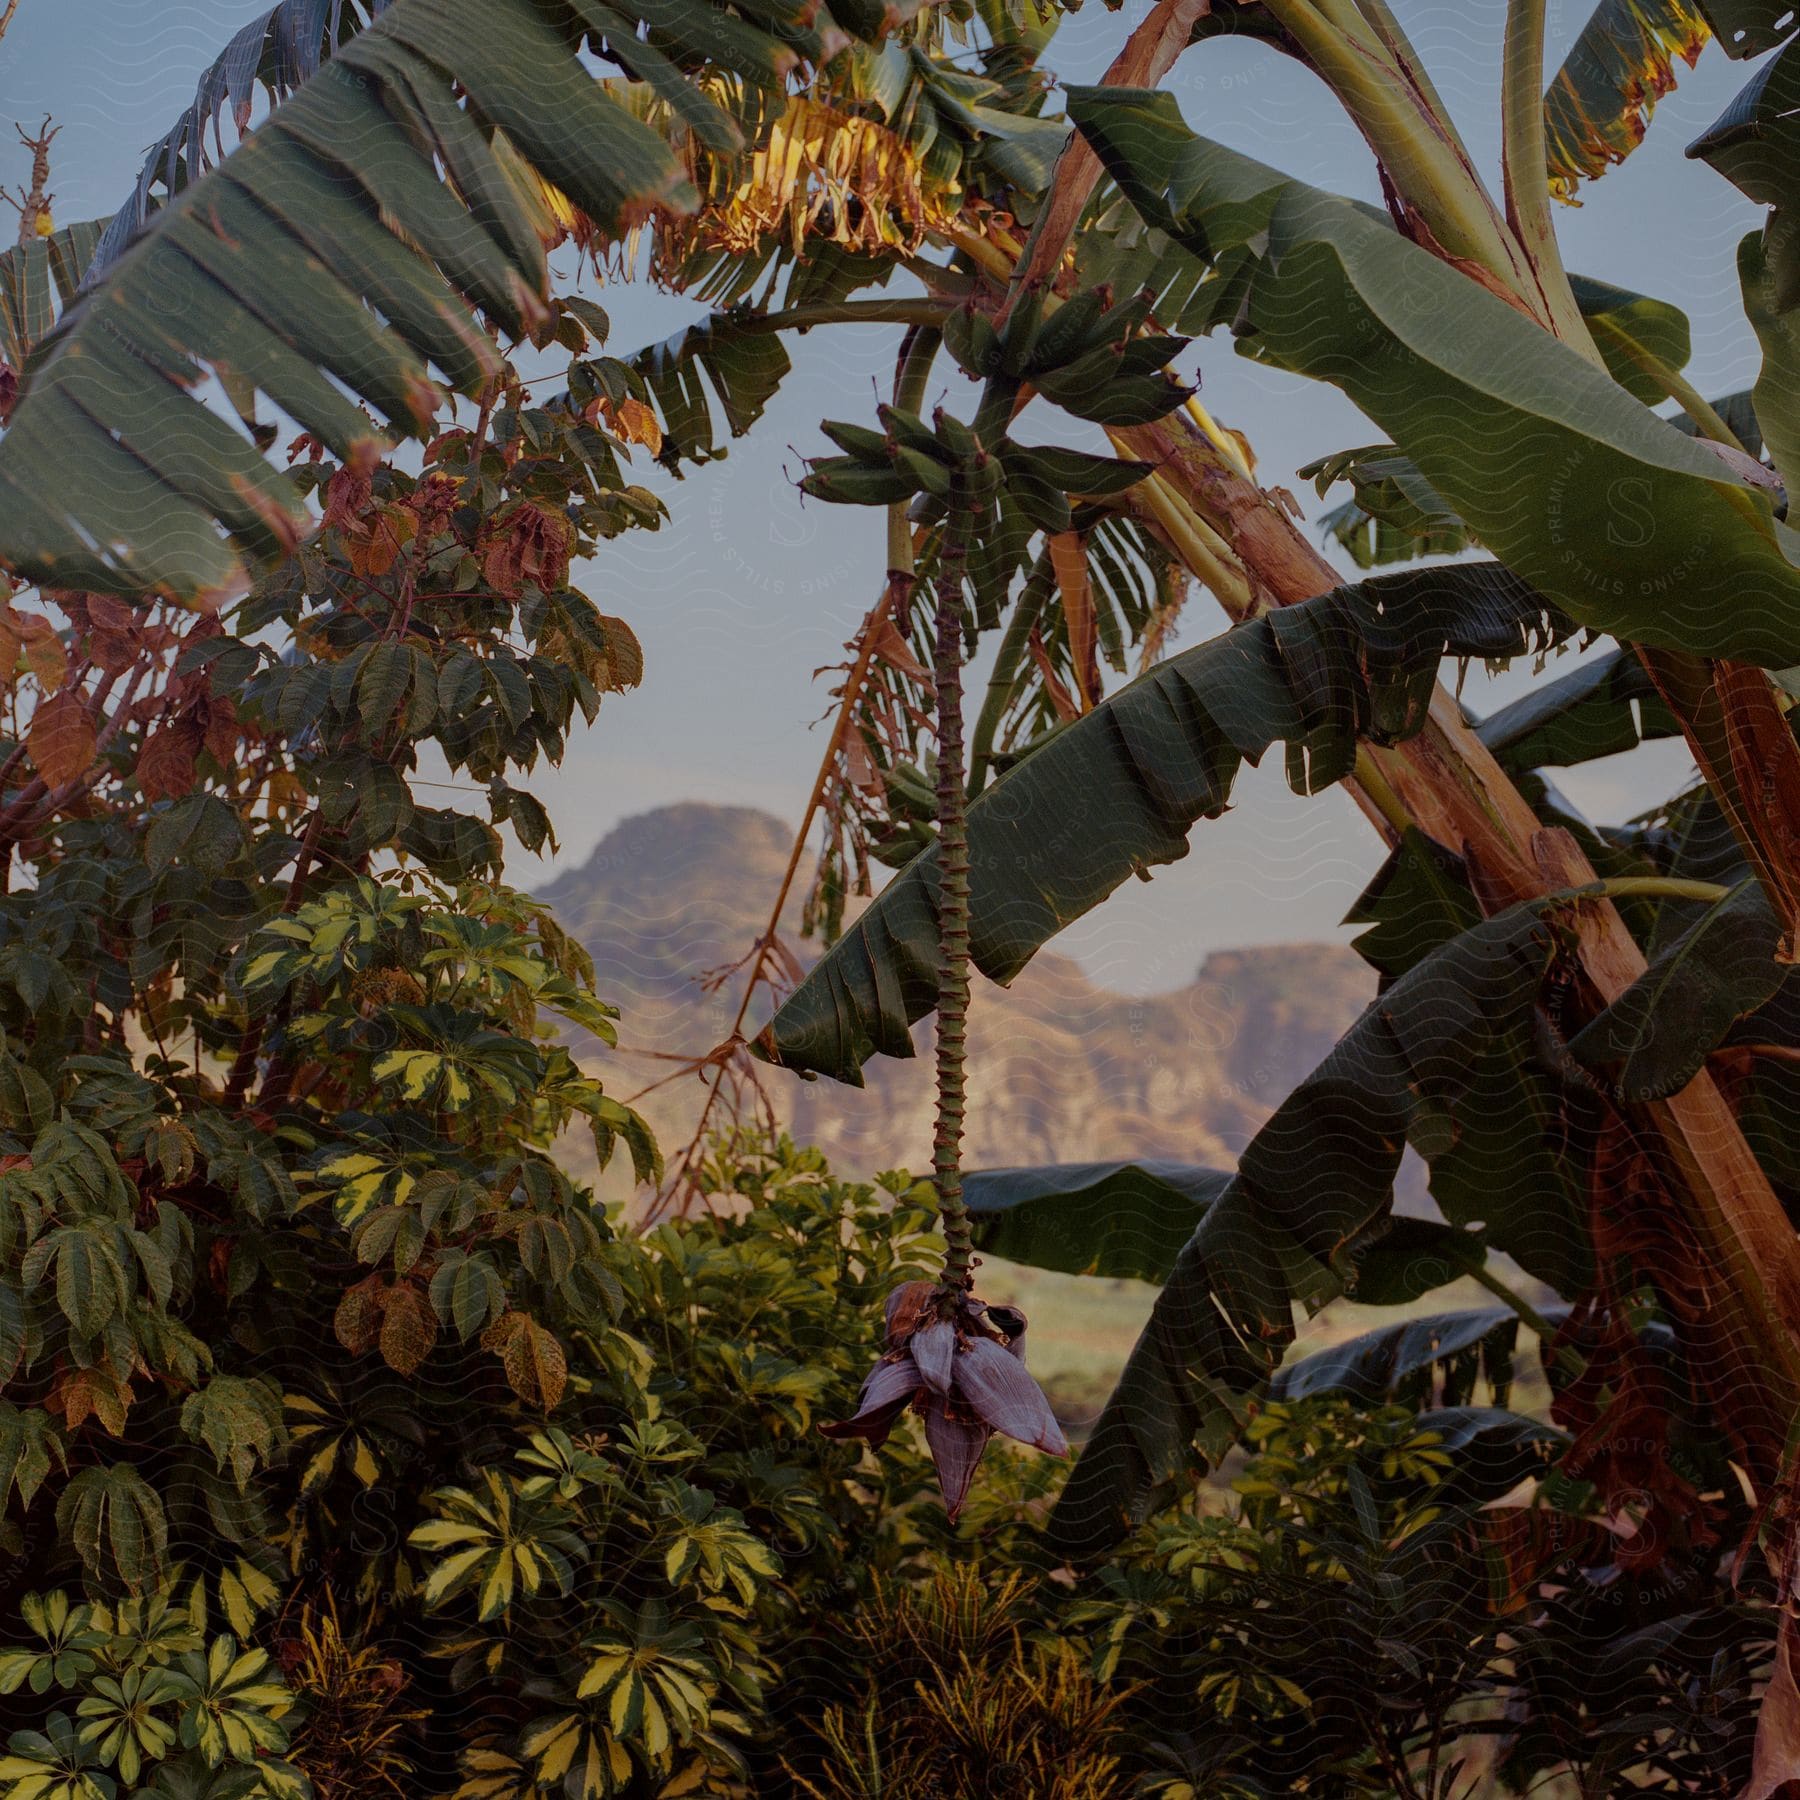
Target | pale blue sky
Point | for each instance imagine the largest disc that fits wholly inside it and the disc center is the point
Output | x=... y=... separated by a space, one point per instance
x=747 y=592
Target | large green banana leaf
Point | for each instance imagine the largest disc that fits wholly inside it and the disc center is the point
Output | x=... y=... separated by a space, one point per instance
x=1404 y=1360
x=1609 y=510
x=1118 y=790
x=1394 y=514
x=1417 y=902
x=1755 y=144
x=1775 y=399
x=1435 y=1061
x=1749 y=27
x=1654 y=1038
x=1133 y=1219
x=331 y=245
x=1103 y=1218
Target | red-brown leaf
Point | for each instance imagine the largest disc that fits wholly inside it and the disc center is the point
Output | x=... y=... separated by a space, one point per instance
x=221 y=731
x=165 y=768
x=536 y=1368
x=60 y=738
x=409 y=1328
x=78 y=1392
x=624 y=656
x=44 y=655
x=357 y=1321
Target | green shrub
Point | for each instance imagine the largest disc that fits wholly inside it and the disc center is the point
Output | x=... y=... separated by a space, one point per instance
x=579 y=1568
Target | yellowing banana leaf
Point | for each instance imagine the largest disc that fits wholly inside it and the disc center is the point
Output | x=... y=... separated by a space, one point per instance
x=1606 y=508
x=1599 y=104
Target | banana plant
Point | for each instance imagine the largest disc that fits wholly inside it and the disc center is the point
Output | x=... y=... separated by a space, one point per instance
x=1560 y=376
x=957 y=1359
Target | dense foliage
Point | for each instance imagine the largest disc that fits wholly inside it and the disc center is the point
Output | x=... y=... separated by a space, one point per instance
x=346 y=1443
x=677 y=1586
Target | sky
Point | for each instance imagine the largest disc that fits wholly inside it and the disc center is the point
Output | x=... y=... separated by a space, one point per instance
x=747 y=591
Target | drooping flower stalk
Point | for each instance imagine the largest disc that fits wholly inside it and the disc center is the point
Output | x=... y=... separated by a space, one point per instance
x=948 y=1356
x=953 y=892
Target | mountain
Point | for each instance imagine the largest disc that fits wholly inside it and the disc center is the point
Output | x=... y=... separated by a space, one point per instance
x=1061 y=1069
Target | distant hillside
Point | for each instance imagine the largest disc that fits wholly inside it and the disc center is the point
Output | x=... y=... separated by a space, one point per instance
x=1062 y=1070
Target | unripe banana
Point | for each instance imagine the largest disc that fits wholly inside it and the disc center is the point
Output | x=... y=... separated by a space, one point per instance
x=859 y=441
x=1065 y=334
x=849 y=483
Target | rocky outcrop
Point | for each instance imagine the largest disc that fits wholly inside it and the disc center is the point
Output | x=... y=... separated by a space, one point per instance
x=1063 y=1070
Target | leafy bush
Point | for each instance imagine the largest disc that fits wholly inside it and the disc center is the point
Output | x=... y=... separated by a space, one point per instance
x=578 y=1576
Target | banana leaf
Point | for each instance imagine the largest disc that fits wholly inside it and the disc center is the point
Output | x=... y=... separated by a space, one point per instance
x=1393 y=515
x=1404 y=1361
x=1755 y=145
x=1738 y=410
x=1621 y=64
x=1776 y=396
x=1638 y=337
x=1117 y=791
x=277 y=52
x=1655 y=1037
x=327 y=254
x=743 y=368
x=1606 y=705
x=37 y=279
x=1132 y=1219
x=1102 y=1218
x=1440 y=1052
x=1606 y=508
x=1417 y=902
x=1749 y=27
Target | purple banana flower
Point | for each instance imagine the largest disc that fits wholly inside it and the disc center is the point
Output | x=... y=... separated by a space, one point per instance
x=960 y=1364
